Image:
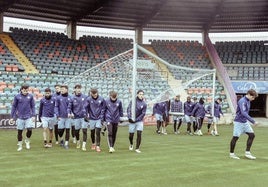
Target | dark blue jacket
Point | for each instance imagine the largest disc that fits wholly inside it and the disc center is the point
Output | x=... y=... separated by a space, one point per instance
x=217 y=109
x=141 y=107
x=47 y=107
x=199 y=111
x=23 y=106
x=113 y=110
x=188 y=107
x=61 y=105
x=77 y=106
x=242 y=111
x=95 y=108
x=55 y=95
x=160 y=108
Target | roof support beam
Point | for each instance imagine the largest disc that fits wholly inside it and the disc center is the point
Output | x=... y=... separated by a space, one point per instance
x=91 y=9
x=1 y=22
x=214 y=16
x=139 y=35
x=71 y=29
x=154 y=12
x=4 y=6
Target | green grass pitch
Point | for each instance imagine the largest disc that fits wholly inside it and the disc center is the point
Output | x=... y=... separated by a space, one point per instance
x=166 y=160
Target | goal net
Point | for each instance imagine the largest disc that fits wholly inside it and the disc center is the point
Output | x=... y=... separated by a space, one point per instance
x=138 y=68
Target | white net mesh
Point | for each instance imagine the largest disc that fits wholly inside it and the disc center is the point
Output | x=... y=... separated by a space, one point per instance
x=159 y=80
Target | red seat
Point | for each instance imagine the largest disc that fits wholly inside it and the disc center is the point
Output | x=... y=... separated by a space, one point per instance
x=96 y=56
x=195 y=90
x=8 y=68
x=190 y=91
x=15 y=68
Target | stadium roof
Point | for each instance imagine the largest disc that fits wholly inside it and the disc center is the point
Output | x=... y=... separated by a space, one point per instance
x=151 y=15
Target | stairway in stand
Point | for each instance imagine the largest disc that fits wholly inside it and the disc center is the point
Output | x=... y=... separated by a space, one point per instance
x=13 y=48
x=175 y=84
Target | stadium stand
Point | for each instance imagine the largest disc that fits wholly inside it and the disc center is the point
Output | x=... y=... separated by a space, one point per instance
x=7 y=60
x=58 y=58
x=54 y=54
x=184 y=53
x=252 y=55
x=193 y=55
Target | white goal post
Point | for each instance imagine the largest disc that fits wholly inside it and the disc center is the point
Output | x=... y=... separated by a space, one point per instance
x=159 y=79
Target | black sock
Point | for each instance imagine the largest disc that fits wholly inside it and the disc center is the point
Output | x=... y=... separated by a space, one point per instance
x=158 y=125
x=251 y=137
x=188 y=127
x=84 y=135
x=67 y=134
x=19 y=136
x=56 y=132
x=98 y=138
x=77 y=134
x=232 y=143
x=209 y=125
x=138 y=141
x=29 y=133
x=60 y=132
x=175 y=125
x=179 y=125
x=92 y=134
x=200 y=123
x=194 y=126
x=131 y=135
x=110 y=135
x=73 y=131
x=115 y=132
